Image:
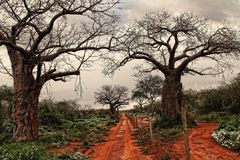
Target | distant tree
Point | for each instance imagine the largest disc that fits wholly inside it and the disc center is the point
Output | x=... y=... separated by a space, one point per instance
x=6 y=94
x=114 y=96
x=191 y=98
x=148 y=88
x=173 y=45
x=44 y=43
x=139 y=97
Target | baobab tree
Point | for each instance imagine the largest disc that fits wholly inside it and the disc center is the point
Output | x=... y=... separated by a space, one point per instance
x=114 y=96
x=49 y=40
x=173 y=45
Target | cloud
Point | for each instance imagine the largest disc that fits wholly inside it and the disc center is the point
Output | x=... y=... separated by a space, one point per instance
x=217 y=10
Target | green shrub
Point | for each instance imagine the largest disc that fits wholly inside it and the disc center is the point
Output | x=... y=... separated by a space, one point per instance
x=224 y=98
x=6 y=133
x=53 y=137
x=230 y=123
x=165 y=123
x=228 y=133
x=229 y=139
x=51 y=119
x=22 y=151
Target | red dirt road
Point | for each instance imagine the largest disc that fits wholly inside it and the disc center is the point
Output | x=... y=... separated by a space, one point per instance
x=202 y=146
x=119 y=145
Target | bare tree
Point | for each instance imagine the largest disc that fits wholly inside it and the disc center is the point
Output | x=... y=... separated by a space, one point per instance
x=114 y=96
x=173 y=44
x=49 y=40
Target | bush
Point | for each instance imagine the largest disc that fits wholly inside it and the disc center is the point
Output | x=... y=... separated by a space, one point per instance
x=53 y=138
x=6 y=105
x=7 y=131
x=229 y=139
x=51 y=119
x=230 y=123
x=225 y=98
x=48 y=115
x=22 y=151
x=228 y=133
x=165 y=123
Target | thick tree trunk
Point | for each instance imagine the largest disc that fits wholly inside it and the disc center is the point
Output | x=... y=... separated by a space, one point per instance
x=171 y=88
x=25 y=115
x=26 y=95
x=171 y=97
x=112 y=112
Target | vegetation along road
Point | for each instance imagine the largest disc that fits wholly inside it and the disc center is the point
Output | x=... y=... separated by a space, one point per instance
x=202 y=146
x=119 y=145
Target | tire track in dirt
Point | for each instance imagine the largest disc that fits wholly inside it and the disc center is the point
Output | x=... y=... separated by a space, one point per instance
x=119 y=145
x=202 y=147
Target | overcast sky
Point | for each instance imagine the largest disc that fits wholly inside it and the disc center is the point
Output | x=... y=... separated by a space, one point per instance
x=217 y=10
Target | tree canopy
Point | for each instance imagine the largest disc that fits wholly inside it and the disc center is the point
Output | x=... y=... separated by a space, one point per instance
x=114 y=96
x=49 y=33
x=49 y=40
x=148 y=88
x=175 y=42
x=173 y=45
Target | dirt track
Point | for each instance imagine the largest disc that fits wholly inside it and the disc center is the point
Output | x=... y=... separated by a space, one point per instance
x=119 y=145
x=202 y=146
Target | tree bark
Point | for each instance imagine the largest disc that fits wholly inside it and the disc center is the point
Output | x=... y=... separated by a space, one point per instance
x=170 y=108
x=113 y=112
x=171 y=88
x=26 y=94
x=25 y=115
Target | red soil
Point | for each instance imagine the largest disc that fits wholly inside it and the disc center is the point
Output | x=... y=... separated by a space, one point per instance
x=202 y=147
x=120 y=145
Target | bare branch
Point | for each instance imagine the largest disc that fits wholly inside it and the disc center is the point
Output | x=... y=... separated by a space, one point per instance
x=170 y=43
x=4 y=69
x=58 y=76
x=202 y=72
x=114 y=96
x=53 y=46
